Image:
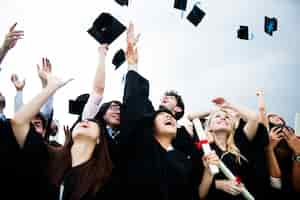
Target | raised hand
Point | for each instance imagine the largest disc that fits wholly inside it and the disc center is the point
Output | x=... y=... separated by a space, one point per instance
x=259 y=93
x=42 y=71
x=132 y=54
x=19 y=85
x=12 y=37
x=221 y=102
x=45 y=74
x=292 y=140
x=131 y=37
x=275 y=136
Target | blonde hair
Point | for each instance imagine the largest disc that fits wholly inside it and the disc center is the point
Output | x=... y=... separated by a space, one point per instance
x=230 y=144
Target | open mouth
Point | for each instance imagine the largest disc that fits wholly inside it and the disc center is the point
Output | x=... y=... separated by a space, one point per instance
x=169 y=123
x=84 y=125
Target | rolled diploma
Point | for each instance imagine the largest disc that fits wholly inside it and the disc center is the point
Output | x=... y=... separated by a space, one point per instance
x=230 y=176
x=205 y=146
x=213 y=168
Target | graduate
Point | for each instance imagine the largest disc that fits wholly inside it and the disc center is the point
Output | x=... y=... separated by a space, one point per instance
x=46 y=167
x=150 y=164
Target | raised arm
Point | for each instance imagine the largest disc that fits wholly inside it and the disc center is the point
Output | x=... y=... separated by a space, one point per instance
x=294 y=143
x=250 y=116
x=92 y=106
x=132 y=51
x=262 y=108
x=19 y=85
x=10 y=41
x=199 y=115
x=21 y=120
x=136 y=103
x=275 y=173
x=47 y=107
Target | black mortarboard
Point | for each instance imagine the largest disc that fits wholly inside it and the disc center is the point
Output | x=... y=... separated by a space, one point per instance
x=270 y=25
x=196 y=15
x=106 y=28
x=119 y=58
x=122 y=2
x=180 y=4
x=76 y=107
x=243 y=33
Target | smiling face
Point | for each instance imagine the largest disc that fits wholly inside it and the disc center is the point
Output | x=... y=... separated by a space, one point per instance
x=112 y=115
x=220 y=121
x=86 y=128
x=276 y=119
x=165 y=125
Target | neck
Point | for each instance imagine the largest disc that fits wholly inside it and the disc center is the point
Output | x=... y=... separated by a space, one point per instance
x=220 y=139
x=165 y=142
x=82 y=150
x=111 y=126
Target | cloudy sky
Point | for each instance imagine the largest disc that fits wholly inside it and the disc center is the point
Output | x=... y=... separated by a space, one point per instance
x=200 y=62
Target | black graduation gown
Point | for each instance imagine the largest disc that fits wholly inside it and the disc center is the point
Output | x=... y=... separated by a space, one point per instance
x=255 y=151
x=147 y=168
x=22 y=170
x=252 y=172
x=136 y=97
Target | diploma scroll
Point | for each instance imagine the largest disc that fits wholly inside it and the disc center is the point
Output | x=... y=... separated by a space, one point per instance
x=206 y=148
x=214 y=169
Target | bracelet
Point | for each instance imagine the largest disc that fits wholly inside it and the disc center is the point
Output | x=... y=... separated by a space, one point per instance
x=296 y=158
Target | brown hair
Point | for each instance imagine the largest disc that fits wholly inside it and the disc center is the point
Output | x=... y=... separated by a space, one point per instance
x=91 y=177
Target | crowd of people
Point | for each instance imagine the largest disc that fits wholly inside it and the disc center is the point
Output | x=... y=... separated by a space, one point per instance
x=131 y=150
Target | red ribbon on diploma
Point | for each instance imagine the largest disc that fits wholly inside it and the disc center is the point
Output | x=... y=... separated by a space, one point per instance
x=200 y=143
x=238 y=180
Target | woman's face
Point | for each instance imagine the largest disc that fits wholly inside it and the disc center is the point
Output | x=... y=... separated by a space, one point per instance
x=165 y=124
x=221 y=121
x=112 y=115
x=86 y=128
x=275 y=119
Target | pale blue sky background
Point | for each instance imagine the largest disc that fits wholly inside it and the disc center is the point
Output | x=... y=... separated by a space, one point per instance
x=200 y=62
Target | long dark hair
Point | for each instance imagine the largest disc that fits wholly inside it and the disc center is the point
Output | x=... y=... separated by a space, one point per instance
x=92 y=176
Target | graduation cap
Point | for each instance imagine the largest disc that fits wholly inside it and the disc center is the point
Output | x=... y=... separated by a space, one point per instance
x=106 y=28
x=119 y=58
x=243 y=33
x=180 y=4
x=270 y=25
x=122 y=2
x=196 y=15
x=76 y=106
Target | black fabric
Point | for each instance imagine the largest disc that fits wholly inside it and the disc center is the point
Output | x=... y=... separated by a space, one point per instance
x=35 y=160
x=259 y=183
x=146 y=168
x=240 y=170
x=71 y=179
x=252 y=171
x=10 y=162
x=22 y=170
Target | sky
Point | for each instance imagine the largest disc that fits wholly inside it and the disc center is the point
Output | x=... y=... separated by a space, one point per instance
x=200 y=62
